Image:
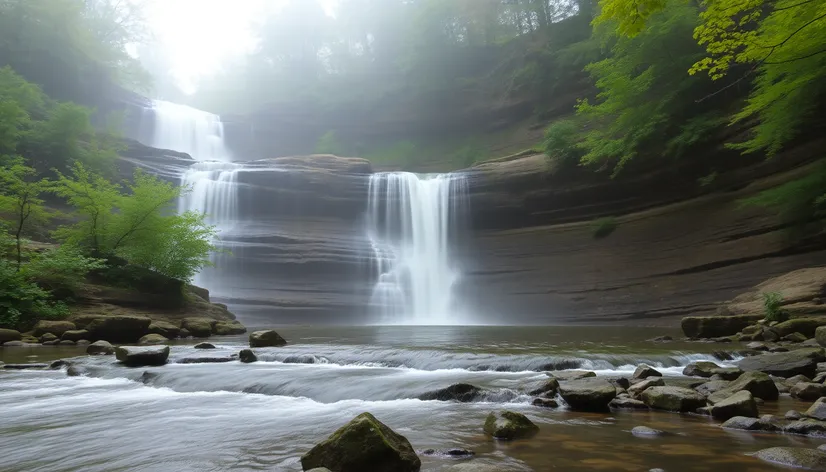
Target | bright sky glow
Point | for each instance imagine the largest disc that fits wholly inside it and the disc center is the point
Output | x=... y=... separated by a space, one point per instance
x=199 y=35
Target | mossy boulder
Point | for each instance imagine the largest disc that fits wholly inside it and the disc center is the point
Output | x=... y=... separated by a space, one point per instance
x=785 y=364
x=636 y=390
x=75 y=335
x=198 y=327
x=509 y=425
x=805 y=326
x=363 y=444
x=795 y=457
x=142 y=356
x=806 y=427
x=820 y=335
x=119 y=329
x=228 y=328
x=748 y=423
x=759 y=384
x=817 y=410
x=165 y=329
x=643 y=371
x=808 y=391
x=716 y=326
x=247 y=356
x=740 y=404
x=548 y=388
x=150 y=339
x=55 y=327
x=592 y=394
x=48 y=338
x=461 y=392
x=100 y=348
x=7 y=335
x=673 y=399
x=267 y=338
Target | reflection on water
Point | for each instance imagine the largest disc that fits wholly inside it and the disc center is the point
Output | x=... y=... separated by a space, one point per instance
x=263 y=416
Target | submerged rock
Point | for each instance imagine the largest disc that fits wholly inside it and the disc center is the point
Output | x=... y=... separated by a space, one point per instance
x=152 y=339
x=205 y=360
x=142 y=356
x=643 y=371
x=749 y=424
x=785 y=364
x=807 y=427
x=450 y=453
x=25 y=366
x=268 y=338
x=75 y=371
x=7 y=335
x=509 y=425
x=363 y=444
x=759 y=384
x=740 y=404
x=204 y=346
x=673 y=399
x=588 y=394
x=458 y=392
x=247 y=356
x=645 y=431
x=798 y=457
x=54 y=327
x=545 y=403
x=100 y=348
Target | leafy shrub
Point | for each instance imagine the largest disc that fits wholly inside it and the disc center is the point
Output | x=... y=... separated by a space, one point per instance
x=562 y=140
x=63 y=268
x=602 y=227
x=771 y=306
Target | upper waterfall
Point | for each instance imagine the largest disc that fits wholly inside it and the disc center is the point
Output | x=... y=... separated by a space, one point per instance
x=410 y=218
x=185 y=129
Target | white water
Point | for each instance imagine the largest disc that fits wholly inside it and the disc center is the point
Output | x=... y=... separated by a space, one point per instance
x=213 y=180
x=409 y=222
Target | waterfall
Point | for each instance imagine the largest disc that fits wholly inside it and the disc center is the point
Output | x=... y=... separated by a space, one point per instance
x=213 y=179
x=410 y=218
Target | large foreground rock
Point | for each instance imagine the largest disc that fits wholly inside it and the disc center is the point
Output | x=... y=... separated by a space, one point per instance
x=457 y=392
x=363 y=444
x=588 y=394
x=142 y=356
x=509 y=425
x=797 y=457
x=759 y=384
x=119 y=329
x=55 y=327
x=716 y=326
x=673 y=399
x=7 y=335
x=785 y=364
x=740 y=404
x=268 y=338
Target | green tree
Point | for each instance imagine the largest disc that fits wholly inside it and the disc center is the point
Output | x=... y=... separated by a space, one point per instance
x=20 y=199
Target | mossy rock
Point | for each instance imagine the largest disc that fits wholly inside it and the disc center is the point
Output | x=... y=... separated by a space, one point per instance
x=363 y=444
x=198 y=327
x=165 y=329
x=55 y=327
x=7 y=335
x=673 y=399
x=151 y=339
x=267 y=338
x=228 y=328
x=509 y=425
x=795 y=457
x=758 y=384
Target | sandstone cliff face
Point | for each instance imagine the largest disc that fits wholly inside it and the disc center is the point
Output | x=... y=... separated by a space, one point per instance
x=675 y=251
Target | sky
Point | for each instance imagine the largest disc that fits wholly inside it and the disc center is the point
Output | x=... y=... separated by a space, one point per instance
x=199 y=35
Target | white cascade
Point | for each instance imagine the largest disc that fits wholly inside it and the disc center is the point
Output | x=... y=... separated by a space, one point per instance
x=410 y=218
x=213 y=179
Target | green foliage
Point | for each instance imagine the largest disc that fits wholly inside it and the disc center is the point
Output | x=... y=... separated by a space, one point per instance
x=708 y=179
x=22 y=301
x=135 y=223
x=562 y=139
x=602 y=227
x=61 y=269
x=771 y=306
x=797 y=201
x=20 y=200
x=328 y=143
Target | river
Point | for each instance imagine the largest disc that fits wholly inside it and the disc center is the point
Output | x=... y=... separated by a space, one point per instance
x=264 y=416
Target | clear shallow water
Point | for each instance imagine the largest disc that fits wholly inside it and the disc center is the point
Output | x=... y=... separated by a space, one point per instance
x=263 y=416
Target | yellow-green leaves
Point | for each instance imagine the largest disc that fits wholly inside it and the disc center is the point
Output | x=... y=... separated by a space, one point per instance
x=631 y=16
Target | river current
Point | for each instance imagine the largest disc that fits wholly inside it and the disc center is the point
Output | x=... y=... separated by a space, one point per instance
x=264 y=416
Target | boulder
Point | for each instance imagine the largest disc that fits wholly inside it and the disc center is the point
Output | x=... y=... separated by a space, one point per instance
x=509 y=425
x=785 y=364
x=563 y=376
x=792 y=381
x=807 y=427
x=119 y=329
x=100 y=348
x=820 y=377
x=53 y=342
x=645 y=431
x=794 y=338
x=793 y=415
x=759 y=384
x=545 y=403
x=749 y=424
x=700 y=369
x=807 y=327
x=588 y=394
x=247 y=356
x=268 y=338
x=820 y=335
x=457 y=392
x=7 y=335
x=204 y=346
x=673 y=399
x=228 y=328
x=636 y=390
x=549 y=388
x=363 y=444
x=84 y=342
x=14 y=344
x=808 y=391
x=716 y=326
x=726 y=373
x=198 y=327
x=644 y=371
x=757 y=346
x=28 y=339
x=55 y=327
x=165 y=329
x=712 y=386
x=817 y=410
x=75 y=371
x=142 y=356
x=75 y=335
x=626 y=403
x=152 y=339
x=67 y=342
x=796 y=457
x=48 y=338
x=740 y=404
